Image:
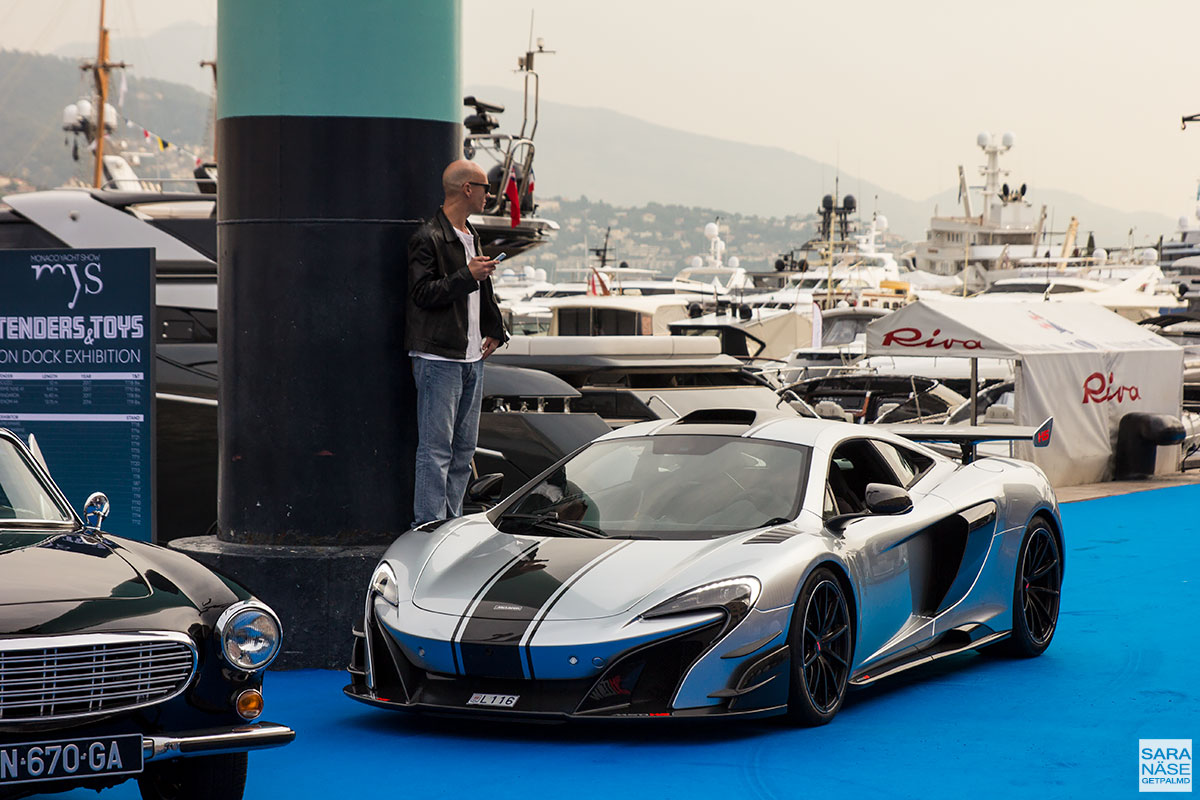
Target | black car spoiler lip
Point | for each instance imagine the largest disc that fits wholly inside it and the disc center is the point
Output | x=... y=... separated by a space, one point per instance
x=967 y=436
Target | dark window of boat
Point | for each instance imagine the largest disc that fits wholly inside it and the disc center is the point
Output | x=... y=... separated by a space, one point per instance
x=664 y=380
x=199 y=234
x=1063 y=288
x=733 y=342
x=611 y=405
x=843 y=331
x=597 y=322
x=1001 y=288
x=669 y=380
x=17 y=233
x=178 y=325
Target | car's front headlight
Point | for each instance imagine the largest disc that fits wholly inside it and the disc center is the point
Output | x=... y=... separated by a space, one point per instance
x=383 y=584
x=736 y=596
x=250 y=635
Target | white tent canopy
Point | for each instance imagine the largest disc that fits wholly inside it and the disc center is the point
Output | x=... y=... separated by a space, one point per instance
x=1081 y=364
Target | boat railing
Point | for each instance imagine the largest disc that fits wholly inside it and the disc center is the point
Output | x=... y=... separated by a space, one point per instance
x=192 y=185
x=509 y=151
x=670 y=409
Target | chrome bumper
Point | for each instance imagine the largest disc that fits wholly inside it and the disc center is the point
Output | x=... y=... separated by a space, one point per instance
x=214 y=741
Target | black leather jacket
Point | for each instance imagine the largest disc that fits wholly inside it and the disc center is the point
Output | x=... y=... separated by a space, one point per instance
x=439 y=284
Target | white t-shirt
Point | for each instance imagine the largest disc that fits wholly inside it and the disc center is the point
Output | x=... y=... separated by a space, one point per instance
x=474 y=339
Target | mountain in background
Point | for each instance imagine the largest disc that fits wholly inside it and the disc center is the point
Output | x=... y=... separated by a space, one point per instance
x=34 y=90
x=172 y=54
x=643 y=163
x=592 y=152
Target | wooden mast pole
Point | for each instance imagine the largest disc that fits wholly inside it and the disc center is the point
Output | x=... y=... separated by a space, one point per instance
x=101 y=69
x=102 y=93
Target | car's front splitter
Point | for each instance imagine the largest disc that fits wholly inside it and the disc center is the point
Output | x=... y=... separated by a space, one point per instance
x=363 y=695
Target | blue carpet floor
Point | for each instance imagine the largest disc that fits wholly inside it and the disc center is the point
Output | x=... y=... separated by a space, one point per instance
x=1123 y=666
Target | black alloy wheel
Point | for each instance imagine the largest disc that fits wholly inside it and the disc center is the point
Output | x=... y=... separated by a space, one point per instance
x=822 y=643
x=220 y=777
x=1036 y=593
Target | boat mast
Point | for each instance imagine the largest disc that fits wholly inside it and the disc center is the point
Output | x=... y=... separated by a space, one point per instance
x=101 y=69
x=827 y=301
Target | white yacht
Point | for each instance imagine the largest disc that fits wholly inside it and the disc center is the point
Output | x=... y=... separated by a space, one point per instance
x=845 y=281
x=1186 y=243
x=615 y=315
x=863 y=274
x=1136 y=297
x=1004 y=229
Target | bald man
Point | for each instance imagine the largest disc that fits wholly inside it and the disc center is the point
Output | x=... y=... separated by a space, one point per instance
x=453 y=324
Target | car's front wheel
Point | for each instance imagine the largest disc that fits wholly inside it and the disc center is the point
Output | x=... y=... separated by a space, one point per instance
x=822 y=644
x=220 y=777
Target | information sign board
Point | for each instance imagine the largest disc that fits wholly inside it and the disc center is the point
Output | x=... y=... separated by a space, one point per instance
x=77 y=372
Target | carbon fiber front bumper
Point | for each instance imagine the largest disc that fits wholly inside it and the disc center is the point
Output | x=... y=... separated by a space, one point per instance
x=640 y=683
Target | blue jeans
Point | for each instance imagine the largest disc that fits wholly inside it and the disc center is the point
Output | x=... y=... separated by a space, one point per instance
x=449 y=394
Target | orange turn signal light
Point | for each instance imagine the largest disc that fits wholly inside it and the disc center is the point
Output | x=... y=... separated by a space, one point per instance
x=249 y=704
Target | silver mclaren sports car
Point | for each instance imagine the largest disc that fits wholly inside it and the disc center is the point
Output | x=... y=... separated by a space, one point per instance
x=726 y=563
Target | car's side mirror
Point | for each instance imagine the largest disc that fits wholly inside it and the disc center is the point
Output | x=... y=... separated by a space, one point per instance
x=96 y=508
x=486 y=489
x=883 y=498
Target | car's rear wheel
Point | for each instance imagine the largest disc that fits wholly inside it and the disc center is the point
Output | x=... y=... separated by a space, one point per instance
x=822 y=644
x=1036 y=592
x=220 y=777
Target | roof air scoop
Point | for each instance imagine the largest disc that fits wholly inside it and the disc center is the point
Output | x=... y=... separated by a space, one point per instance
x=719 y=416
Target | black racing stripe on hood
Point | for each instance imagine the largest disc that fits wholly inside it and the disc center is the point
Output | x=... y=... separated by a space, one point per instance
x=463 y=619
x=490 y=638
x=546 y=611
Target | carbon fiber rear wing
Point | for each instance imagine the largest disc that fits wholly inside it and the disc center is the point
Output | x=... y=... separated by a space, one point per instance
x=967 y=436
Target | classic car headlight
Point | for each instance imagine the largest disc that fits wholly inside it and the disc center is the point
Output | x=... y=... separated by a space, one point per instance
x=250 y=635
x=736 y=596
x=383 y=583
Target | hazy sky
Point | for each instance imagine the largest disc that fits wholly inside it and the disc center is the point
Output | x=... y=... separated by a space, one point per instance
x=893 y=92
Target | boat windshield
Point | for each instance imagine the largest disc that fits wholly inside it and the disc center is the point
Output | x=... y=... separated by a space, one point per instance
x=818 y=283
x=843 y=331
x=664 y=487
x=23 y=498
x=1014 y=288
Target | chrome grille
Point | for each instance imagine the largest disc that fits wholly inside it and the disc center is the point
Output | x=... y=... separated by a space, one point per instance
x=57 y=677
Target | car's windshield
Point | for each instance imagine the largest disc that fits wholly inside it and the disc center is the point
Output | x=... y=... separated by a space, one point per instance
x=665 y=487
x=22 y=496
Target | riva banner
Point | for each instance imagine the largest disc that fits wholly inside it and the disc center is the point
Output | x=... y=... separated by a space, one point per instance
x=77 y=372
x=1077 y=362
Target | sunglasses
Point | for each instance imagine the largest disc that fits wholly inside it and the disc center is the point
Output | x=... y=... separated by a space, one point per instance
x=477 y=183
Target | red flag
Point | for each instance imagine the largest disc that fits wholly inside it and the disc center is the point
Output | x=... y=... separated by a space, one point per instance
x=597 y=285
x=514 y=199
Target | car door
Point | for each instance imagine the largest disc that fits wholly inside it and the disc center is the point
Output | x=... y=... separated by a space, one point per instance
x=889 y=554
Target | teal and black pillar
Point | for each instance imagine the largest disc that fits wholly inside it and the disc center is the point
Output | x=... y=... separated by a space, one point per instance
x=335 y=120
